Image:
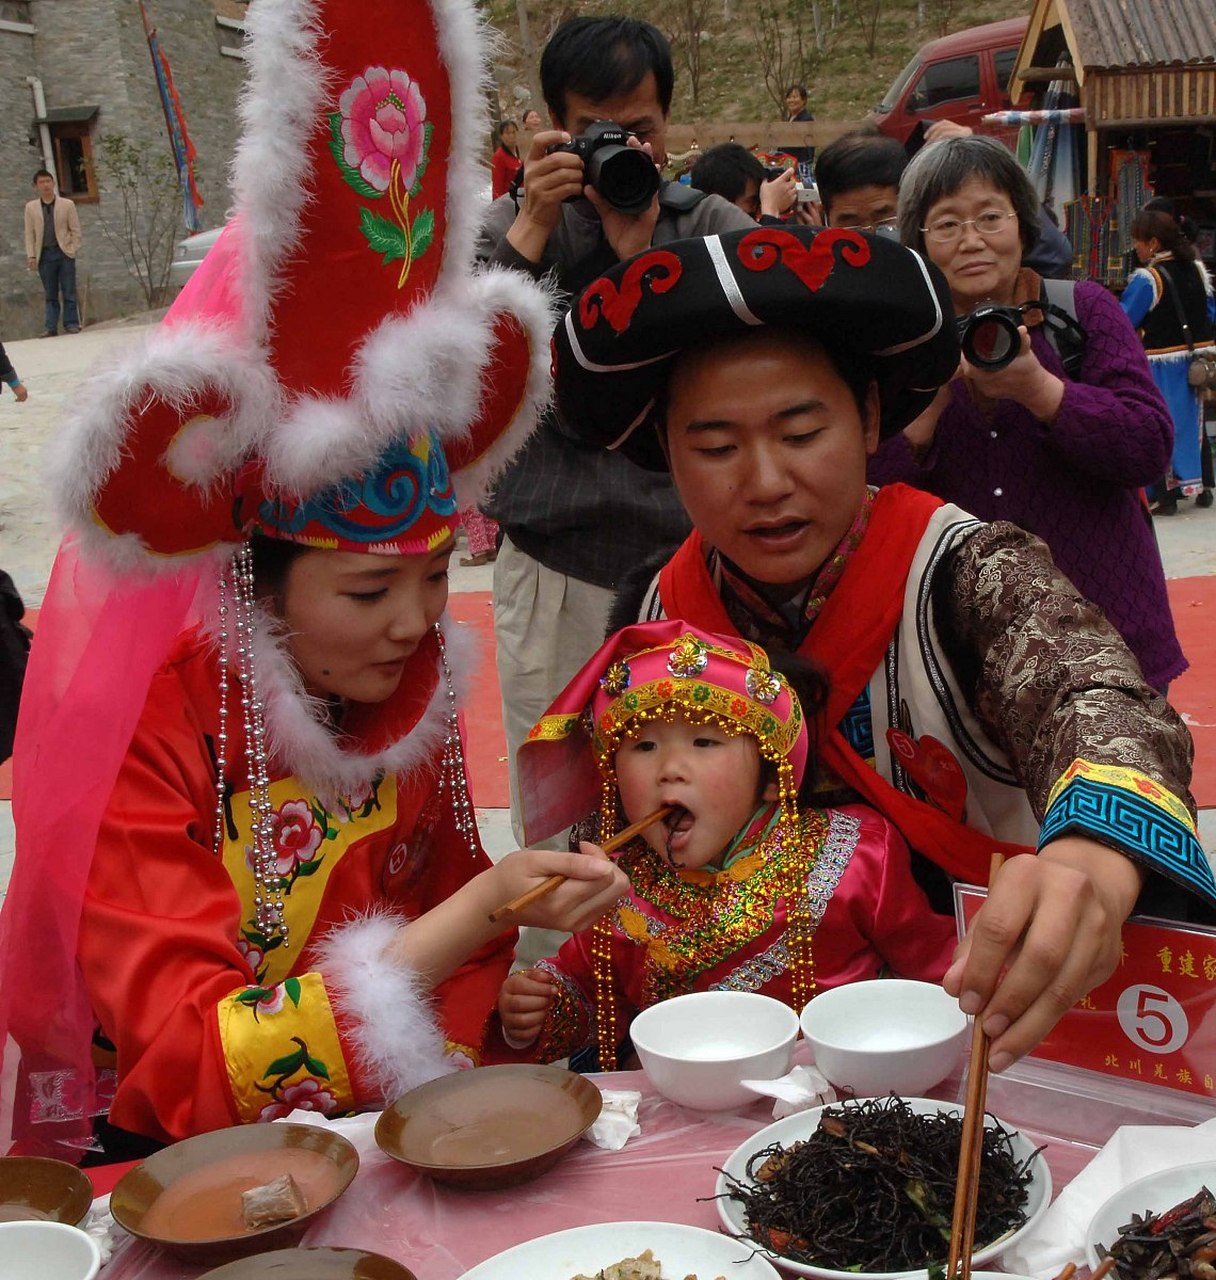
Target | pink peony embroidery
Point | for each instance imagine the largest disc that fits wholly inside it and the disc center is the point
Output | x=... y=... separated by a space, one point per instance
x=296 y=835
x=383 y=119
x=380 y=139
x=253 y=955
x=304 y=1095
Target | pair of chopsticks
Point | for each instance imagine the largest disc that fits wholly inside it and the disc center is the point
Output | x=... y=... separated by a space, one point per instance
x=967 y=1185
x=547 y=886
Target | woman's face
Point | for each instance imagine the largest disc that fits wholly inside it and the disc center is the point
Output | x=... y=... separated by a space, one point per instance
x=532 y=120
x=978 y=268
x=354 y=620
x=768 y=452
x=509 y=134
x=1145 y=250
x=794 y=102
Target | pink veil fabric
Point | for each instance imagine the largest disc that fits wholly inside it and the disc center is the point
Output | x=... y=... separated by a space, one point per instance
x=100 y=639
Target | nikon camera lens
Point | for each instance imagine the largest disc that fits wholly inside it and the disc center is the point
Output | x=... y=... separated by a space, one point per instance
x=624 y=176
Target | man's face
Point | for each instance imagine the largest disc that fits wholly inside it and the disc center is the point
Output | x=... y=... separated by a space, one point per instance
x=749 y=200
x=866 y=208
x=637 y=110
x=45 y=186
x=768 y=452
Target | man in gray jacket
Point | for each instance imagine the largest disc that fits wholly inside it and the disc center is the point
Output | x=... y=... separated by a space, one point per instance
x=52 y=240
x=575 y=519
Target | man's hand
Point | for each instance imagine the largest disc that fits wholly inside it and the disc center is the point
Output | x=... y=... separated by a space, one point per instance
x=777 y=195
x=548 y=180
x=1048 y=934
x=940 y=129
x=523 y=1005
x=20 y=392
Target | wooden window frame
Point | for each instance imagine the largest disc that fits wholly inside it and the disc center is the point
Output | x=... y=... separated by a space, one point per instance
x=82 y=130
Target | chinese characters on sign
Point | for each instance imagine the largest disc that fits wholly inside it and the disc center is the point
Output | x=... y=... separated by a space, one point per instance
x=1153 y=1020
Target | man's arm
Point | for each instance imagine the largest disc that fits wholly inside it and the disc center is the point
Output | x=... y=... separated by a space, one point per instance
x=73 y=221
x=31 y=237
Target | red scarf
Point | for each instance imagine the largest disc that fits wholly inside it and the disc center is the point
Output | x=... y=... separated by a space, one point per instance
x=848 y=641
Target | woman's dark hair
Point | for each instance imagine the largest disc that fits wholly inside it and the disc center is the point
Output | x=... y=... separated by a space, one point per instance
x=864 y=158
x=810 y=685
x=942 y=169
x=1155 y=224
x=725 y=171
x=600 y=58
x=272 y=557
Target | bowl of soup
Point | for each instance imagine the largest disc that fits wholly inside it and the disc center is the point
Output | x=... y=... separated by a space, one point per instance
x=33 y=1188
x=234 y=1191
x=490 y=1127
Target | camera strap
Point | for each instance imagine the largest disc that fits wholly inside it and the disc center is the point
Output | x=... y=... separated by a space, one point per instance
x=1058 y=299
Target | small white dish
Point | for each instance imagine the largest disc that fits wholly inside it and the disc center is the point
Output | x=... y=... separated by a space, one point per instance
x=682 y=1250
x=48 y=1250
x=697 y=1048
x=798 y=1127
x=888 y=1035
x=1154 y=1193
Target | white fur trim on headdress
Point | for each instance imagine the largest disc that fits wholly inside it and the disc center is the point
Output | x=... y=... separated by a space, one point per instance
x=176 y=364
x=398 y=1042
x=502 y=291
x=302 y=740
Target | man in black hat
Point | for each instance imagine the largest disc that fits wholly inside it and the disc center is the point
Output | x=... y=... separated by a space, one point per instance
x=575 y=520
x=977 y=700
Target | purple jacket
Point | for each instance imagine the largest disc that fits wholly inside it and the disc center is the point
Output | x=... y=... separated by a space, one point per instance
x=1075 y=483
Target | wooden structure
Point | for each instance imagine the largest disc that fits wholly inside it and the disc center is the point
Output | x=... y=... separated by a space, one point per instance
x=767 y=135
x=1138 y=65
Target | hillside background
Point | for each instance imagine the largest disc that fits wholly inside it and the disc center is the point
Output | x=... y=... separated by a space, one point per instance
x=730 y=48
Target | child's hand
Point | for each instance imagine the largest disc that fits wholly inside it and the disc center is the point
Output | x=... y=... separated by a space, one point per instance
x=523 y=1004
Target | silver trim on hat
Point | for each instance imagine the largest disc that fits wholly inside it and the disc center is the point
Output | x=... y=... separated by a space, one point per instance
x=937 y=310
x=592 y=367
x=726 y=278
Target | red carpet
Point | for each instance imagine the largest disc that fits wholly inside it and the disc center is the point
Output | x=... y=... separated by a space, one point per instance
x=1193 y=601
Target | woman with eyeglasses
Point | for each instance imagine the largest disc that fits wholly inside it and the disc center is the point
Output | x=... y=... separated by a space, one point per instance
x=1014 y=436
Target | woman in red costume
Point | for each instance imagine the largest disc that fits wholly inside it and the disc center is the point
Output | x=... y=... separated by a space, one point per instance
x=248 y=874
x=977 y=701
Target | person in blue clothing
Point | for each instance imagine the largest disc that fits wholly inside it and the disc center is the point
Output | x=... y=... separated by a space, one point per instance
x=1169 y=298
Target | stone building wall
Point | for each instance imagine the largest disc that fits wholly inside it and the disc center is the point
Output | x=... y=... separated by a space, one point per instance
x=94 y=52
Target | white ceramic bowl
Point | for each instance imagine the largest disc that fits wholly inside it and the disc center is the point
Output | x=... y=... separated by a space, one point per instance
x=48 y=1250
x=1154 y=1193
x=889 y=1035
x=696 y=1048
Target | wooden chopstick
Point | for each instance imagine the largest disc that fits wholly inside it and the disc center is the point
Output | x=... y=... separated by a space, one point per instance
x=1104 y=1268
x=967 y=1185
x=547 y=886
x=1069 y=1271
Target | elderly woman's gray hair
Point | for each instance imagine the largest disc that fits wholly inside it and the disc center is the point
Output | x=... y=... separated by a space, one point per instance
x=941 y=169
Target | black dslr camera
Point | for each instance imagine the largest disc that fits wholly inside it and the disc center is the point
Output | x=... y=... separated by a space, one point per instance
x=989 y=335
x=623 y=175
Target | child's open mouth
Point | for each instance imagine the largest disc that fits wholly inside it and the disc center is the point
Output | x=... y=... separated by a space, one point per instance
x=679 y=822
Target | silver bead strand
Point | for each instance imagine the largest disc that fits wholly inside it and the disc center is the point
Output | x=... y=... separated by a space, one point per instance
x=451 y=770
x=221 y=749
x=268 y=891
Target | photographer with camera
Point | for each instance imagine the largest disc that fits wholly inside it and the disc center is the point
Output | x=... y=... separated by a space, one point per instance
x=1052 y=421
x=576 y=519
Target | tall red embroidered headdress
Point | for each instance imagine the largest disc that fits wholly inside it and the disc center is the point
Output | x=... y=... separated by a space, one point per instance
x=336 y=374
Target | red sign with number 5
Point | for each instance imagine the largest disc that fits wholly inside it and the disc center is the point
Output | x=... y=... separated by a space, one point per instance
x=1153 y=1019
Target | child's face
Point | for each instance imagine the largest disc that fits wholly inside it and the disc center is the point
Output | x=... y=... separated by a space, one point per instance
x=712 y=776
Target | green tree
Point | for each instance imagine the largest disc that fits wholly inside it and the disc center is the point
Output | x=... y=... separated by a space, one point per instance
x=140 y=207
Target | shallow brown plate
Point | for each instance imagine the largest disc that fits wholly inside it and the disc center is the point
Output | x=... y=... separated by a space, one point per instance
x=490 y=1127
x=313 y=1264
x=212 y=1169
x=53 y=1190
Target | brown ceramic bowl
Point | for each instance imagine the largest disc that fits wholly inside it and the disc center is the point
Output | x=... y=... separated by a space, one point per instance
x=52 y=1190
x=187 y=1198
x=490 y=1127
x=313 y=1264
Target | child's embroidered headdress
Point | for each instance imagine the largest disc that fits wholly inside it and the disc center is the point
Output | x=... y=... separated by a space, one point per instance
x=653 y=671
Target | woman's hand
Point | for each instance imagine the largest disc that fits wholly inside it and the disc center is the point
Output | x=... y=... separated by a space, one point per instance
x=1024 y=379
x=1048 y=934
x=593 y=884
x=523 y=1005
x=920 y=431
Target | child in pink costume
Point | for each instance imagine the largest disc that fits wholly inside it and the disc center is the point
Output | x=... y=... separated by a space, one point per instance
x=738 y=887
